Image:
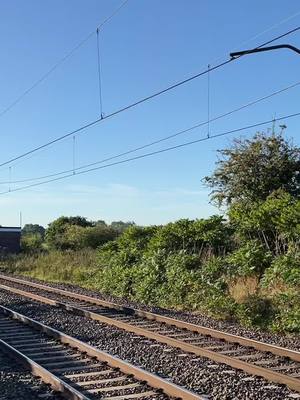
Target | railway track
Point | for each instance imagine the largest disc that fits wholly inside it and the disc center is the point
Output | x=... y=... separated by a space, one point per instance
x=75 y=369
x=18 y=383
x=274 y=363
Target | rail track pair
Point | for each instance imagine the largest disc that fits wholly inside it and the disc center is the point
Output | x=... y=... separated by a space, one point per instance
x=274 y=363
x=75 y=369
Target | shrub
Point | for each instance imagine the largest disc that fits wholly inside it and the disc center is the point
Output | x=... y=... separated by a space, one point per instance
x=136 y=238
x=250 y=259
x=287 y=318
x=193 y=236
x=129 y=247
x=218 y=304
x=214 y=297
x=256 y=311
x=166 y=279
x=98 y=236
x=213 y=271
x=31 y=242
x=33 y=228
x=56 y=231
x=121 y=226
x=115 y=279
x=274 y=222
x=285 y=270
x=75 y=237
x=182 y=280
x=149 y=278
x=175 y=236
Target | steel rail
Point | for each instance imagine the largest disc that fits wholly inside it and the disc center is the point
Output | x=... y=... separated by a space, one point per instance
x=37 y=370
x=262 y=346
x=152 y=380
x=252 y=369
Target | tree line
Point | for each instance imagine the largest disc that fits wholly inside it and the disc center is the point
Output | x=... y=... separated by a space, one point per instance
x=70 y=233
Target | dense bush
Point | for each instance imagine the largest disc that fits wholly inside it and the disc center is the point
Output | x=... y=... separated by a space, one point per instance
x=250 y=259
x=168 y=266
x=204 y=236
x=256 y=311
x=274 y=222
x=165 y=279
x=33 y=229
x=121 y=226
x=287 y=316
x=284 y=270
x=76 y=233
x=228 y=270
x=77 y=237
x=57 y=231
x=31 y=242
x=136 y=239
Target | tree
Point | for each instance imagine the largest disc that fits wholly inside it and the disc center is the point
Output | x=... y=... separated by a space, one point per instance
x=121 y=226
x=77 y=233
x=253 y=168
x=99 y=235
x=79 y=221
x=33 y=229
x=56 y=232
x=100 y=222
x=77 y=237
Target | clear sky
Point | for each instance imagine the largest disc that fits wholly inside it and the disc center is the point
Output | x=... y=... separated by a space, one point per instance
x=146 y=46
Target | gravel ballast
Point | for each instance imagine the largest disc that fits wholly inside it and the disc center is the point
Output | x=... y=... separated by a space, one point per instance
x=218 y=381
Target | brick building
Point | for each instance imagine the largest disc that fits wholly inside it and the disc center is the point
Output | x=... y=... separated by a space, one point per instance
x=10 y=239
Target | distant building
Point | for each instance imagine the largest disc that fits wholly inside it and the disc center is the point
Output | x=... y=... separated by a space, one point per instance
x=10 y=239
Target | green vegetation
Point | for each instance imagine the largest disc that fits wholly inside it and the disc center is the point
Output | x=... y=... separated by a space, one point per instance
x=70 y=233
x=244 y=266
x=33 y=236
x=250 y=170
x=55 y=265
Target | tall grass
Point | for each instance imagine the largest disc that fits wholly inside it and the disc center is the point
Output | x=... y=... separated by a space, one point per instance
x=243 y=287
x=56 y=266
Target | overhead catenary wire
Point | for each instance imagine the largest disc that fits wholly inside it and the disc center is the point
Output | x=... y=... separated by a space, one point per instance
x=176 y=134
x=61 y=61
x=142 y=100
x=181 y=145
x=85 y=39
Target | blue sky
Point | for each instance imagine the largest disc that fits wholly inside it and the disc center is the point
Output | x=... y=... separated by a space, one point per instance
x=147 y=45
